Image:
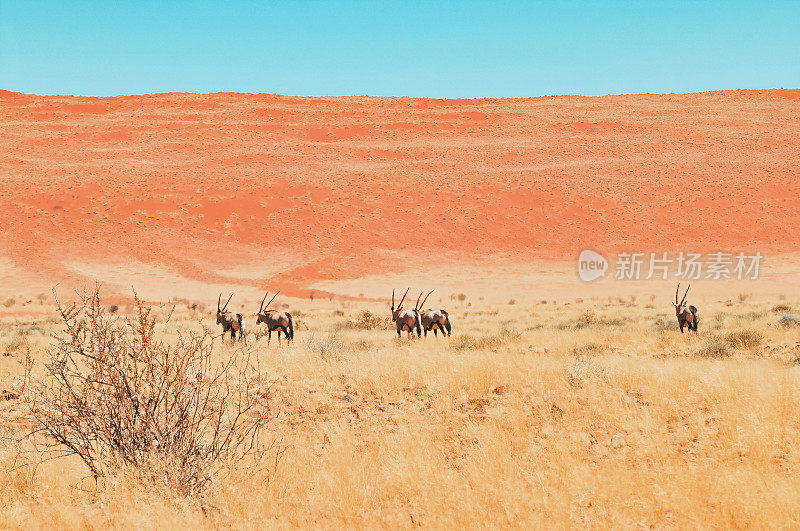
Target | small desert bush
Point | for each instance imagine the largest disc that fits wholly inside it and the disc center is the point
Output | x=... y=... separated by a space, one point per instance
x=588 y=349
x=589 y=318
x=578 y=370
x=16 y=341
x=119 y=398
x=361 y=345
x=715 y=347
x=365 y=320
x=327 y=346
x=470 y=342
x=9 y=302
x=789 y=319
x=584 y=320
x=781 y=308
x=715 y=322
x=752 y=316
x=17 y=344
x=487 y=341
x=663 y=324
x=509 y=334
x=32 y=330
x=747 y=339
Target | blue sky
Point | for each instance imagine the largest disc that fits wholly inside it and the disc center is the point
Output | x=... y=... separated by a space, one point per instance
x=433 y=49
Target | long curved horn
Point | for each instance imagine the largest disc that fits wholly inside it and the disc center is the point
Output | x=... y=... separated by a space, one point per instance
x=416 y=306
x=404 y=298
x=262 y=302
x=219 y=300
x=425 y=299
x=685 y=294
x=226 y=303
x=392 y=298
x=272 y=299
x=676 y=292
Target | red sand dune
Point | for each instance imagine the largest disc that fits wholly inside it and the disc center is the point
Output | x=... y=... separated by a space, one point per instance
x=343 y=187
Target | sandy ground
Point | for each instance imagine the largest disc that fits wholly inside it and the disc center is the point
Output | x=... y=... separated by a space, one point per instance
x=556 y=402
x=186 y=195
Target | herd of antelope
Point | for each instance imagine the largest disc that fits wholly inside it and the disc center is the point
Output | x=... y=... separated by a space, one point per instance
x=275 y=320
x=417 y=321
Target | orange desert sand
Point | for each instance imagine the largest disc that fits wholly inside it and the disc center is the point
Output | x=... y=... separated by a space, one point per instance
x=188 y=195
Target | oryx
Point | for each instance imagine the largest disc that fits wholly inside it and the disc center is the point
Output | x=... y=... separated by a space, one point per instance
x=436 y=320
x=687 y=315
x=275 y=320
x=230 y=322
x=406 y=320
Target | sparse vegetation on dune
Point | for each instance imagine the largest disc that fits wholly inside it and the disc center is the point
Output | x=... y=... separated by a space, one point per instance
x=506 y=423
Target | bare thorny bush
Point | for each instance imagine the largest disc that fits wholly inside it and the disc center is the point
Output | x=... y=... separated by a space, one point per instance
x=121 y=399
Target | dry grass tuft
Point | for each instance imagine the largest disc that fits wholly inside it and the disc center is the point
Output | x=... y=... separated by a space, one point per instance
x=366 y=320
x=17 y=344
x=488 y=341
x=715 y=347
x=746 y=339
x=326 y=346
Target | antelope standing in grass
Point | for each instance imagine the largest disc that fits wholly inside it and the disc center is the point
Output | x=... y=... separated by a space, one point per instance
x=230 y=322
x=406 y=320
x=687 y=315
x=275 y=320
x=436 y=320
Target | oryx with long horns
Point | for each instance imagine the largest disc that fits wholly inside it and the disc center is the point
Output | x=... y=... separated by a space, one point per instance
x=230 y=322
x=406 y=320
x=436 y=320
x=275 y=320
x=687 y=315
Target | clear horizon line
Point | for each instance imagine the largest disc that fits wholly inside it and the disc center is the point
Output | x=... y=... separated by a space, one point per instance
x=246 y=93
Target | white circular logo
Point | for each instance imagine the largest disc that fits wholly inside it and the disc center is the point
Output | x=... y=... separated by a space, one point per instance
x=591 y=265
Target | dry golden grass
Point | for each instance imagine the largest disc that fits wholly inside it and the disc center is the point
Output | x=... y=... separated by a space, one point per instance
x=582 y=415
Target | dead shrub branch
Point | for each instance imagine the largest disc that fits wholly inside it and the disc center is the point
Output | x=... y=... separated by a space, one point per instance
x=116 y=395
